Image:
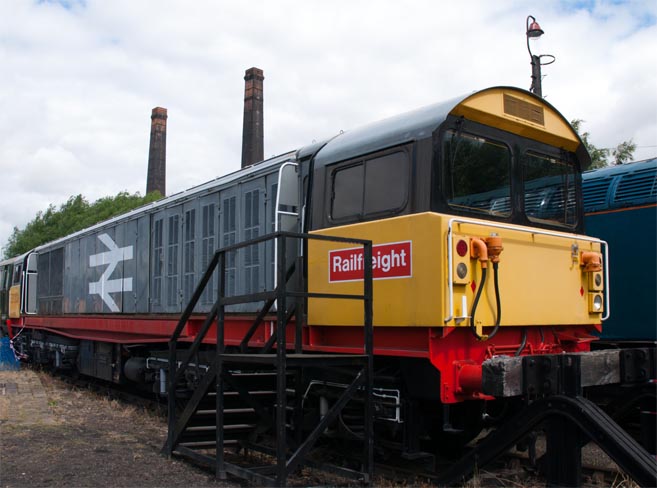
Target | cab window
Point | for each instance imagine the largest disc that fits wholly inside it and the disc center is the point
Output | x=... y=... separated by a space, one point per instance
x=348 y=192
x=17 y=274
x=477 y=174
x=372 y=187
x=549 y=190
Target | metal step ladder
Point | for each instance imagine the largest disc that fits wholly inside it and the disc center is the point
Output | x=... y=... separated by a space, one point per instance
x=251 y=398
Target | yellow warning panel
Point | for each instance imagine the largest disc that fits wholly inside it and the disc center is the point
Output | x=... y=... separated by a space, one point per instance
x=15 y=302
x=406 y=262
x=540 y=278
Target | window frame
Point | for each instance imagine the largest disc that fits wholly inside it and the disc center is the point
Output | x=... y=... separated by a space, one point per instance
x=527 y=151
x=446 y=163
x=519 y=146
x=335 y=168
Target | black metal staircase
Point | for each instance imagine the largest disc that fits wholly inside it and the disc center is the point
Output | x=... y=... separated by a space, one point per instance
x=251 y=398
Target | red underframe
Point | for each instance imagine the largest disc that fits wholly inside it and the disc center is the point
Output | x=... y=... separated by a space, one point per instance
x=389 y=341
x=453 y=351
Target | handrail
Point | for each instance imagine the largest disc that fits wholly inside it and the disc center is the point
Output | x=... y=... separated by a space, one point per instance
x=278 y=296
x=189 y=309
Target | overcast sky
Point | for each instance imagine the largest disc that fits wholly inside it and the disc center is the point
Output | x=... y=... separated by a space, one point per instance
x=79 y=78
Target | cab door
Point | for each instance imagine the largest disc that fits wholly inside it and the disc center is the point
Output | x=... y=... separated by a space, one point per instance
x=15 y=291
x=30 y=284
x=287 y=214
x=5 y=272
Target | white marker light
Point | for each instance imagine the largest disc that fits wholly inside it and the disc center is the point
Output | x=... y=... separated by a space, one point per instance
x=597 y=303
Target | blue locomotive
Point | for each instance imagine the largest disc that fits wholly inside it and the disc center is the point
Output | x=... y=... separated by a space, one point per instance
x=620 y=206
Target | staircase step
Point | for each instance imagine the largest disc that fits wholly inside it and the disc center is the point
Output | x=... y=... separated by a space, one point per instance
x=206 y=428
x=257 y=374
x=208 y=444
x=227 y=411
x=235 y=393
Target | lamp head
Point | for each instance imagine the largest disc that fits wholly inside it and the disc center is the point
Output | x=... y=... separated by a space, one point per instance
x=534 y=30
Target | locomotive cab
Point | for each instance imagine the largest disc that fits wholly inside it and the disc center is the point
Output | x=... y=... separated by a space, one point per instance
x=491 y=181
x=18 y=287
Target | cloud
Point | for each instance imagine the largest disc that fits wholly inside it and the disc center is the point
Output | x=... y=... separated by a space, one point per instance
x=80 y=79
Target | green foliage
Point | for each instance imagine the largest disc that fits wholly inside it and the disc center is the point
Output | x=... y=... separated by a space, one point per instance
x=76 y=214
x=598 y=156
x=623 y=153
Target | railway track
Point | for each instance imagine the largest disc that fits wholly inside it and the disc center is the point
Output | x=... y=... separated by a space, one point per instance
x=513 y=469
x=150 y=401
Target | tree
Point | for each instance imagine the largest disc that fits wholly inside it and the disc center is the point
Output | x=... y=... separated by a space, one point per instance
x=623 y=153
x=598 y=156
x=76 y=214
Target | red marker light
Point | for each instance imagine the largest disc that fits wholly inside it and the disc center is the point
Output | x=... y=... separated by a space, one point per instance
x=462 y=248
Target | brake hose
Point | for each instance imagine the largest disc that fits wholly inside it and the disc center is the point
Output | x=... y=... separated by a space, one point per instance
x=497 y=300
x=498 y=303
x=523 y=342
x=476 y=302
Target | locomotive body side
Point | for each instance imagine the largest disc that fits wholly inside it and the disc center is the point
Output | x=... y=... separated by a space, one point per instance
x=115 y=291
x=148 y=261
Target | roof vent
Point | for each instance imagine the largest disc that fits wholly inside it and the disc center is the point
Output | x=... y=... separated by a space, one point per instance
x=523 y=110
x=637 y=186
x=595 y=192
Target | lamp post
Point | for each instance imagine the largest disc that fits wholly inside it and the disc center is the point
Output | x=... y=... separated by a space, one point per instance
x=534 y=31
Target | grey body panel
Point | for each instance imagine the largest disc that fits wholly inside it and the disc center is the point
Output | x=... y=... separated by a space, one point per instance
x=150 y=260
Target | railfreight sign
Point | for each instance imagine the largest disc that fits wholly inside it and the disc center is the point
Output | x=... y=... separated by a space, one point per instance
x=389 y=261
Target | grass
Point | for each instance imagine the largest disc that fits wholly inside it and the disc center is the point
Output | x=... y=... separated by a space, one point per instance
x=623 y=481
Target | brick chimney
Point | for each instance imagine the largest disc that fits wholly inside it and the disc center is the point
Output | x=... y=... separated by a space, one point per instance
x=252 y=133
x=157 y=152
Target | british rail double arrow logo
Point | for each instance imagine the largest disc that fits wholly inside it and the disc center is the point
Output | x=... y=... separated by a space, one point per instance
x=104 y=286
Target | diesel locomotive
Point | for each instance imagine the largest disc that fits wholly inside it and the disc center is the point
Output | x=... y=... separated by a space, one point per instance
x=616 y=200
x=474 y=208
